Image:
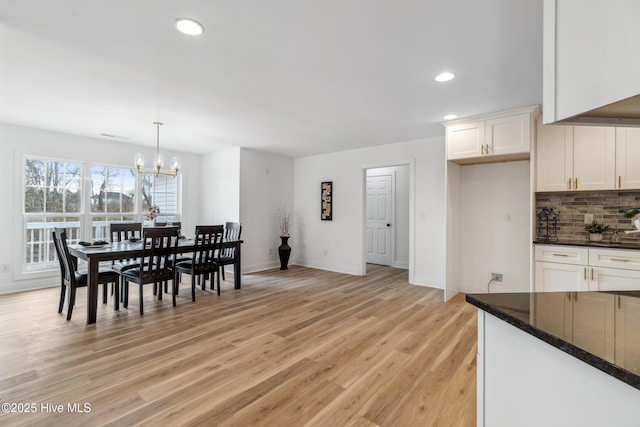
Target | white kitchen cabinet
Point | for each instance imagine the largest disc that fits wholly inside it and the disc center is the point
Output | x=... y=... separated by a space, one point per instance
x=587 y=62
x=554 y=157
x=576 y=268
x=508 y=135
x=491 y=138
x=628 y=158
x=465 y=140
x=571 y=158
x=594 y=149
x=554 y=277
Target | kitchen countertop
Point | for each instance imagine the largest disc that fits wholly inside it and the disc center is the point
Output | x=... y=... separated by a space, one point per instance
x=516 y=309
x=603 y=244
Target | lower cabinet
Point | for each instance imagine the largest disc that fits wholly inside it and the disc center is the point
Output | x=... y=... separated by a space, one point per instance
x=581 y=268
x=627 y=343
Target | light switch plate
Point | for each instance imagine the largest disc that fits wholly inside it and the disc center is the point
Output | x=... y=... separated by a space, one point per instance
x=588 y=218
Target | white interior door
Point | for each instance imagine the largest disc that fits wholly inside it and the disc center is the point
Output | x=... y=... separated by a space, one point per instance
x=379 y=220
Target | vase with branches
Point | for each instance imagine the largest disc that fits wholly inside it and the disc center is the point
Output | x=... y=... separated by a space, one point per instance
x=284 y=250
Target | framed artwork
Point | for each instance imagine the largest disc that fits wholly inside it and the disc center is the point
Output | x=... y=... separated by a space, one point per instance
x=326 y=201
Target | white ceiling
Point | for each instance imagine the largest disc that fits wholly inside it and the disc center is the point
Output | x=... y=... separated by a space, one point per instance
x=288 y=76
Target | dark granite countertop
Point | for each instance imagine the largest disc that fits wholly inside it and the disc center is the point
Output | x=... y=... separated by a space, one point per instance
x=537 y=313
x=603 y=244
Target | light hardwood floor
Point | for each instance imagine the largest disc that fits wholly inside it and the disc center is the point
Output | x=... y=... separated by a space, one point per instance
x=291 y=348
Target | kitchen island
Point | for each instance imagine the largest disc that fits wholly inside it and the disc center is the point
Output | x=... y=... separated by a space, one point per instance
x=558 y=358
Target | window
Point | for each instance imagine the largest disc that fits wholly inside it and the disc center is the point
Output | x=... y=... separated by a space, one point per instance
x=54 y=196
x=162 y=191
x=113 y=198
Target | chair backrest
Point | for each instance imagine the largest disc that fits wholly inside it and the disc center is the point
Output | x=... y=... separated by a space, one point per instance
x=208 y=239
x=232 y=231
x=67 y=264
x=121 y=232
x=160 y=246
x=170 y=224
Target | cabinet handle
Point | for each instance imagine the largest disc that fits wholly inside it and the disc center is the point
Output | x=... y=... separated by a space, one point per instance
x=576 y=183
x=619 y=181
x=619 y=297
x=569 y=296
x=560 y=254
x=482 y=149
x=620 y=259
x=487 y=149
x=575 y=296
x=592 y=274
x=569 y=184
x=585 y=273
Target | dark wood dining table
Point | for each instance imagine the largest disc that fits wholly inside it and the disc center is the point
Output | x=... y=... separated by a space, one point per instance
x=124 y=250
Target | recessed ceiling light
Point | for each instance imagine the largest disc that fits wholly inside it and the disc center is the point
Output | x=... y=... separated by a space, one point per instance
x=450 y=116
x=445 y=77
x=189 y=26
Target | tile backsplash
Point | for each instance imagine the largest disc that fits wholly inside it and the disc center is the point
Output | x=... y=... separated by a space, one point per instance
x=603 y=205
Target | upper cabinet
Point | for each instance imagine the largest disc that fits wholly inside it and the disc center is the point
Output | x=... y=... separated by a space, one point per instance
x=491 y=138
x=628 y=158
x=575 y=158
x=589 y=72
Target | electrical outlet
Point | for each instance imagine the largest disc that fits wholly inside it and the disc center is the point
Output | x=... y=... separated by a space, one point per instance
x=270 y=251
x=5 y=268
x=588 y=218
x=325 y=252
x=497 y=277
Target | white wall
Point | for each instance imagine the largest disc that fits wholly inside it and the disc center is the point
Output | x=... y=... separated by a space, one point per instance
x=221 y=187
x=343 y=238
x=266 y=188
x=490 y=241
x=16 y=142
x=401 y=211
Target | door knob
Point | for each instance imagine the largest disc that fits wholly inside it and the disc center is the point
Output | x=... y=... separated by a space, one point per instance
x=388 y=225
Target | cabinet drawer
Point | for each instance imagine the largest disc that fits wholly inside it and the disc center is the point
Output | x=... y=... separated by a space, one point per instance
x=562 y=254
x=614 y=258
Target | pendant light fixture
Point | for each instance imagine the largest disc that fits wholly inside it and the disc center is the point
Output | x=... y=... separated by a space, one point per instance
x=158 y=162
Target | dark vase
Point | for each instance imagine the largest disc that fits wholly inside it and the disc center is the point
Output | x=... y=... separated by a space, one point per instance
x=284 y=250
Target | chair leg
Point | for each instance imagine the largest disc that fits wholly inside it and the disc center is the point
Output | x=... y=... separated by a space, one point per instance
x=63 y=292
x=125 y=291
x=174 y=288
x=105 y=289
x=115 y=287
x=141 y=300
x=193 y=287
x=72 y=301
x=223 y=278
x=218 y=280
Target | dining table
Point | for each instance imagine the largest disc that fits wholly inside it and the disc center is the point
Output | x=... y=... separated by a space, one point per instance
x=95 y=254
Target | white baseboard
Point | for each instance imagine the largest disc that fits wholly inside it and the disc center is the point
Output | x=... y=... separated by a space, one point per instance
x=427 y=281
x=401 y=264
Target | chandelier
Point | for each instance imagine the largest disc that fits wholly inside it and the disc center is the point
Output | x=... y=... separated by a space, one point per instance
x=158 y=162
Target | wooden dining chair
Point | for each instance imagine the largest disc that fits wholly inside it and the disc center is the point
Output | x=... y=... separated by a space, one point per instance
x=122 y=232
x=156 y=262
x=204 y=259
x=71 y=278
x=227 y=256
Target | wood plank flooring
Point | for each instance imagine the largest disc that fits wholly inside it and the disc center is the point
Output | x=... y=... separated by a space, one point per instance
x=301 y=347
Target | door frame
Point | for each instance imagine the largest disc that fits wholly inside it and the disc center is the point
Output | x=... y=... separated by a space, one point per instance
x=363 y=211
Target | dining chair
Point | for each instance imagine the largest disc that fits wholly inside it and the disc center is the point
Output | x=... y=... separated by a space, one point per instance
x=204 y=259
x=227 y=256
x=156 y=262
x=122 y=232
x=72 y=279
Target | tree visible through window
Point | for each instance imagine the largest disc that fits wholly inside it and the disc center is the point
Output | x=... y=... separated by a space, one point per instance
x=54 y=196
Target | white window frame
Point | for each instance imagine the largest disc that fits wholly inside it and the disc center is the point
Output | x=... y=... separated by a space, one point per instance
x=21 y=271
